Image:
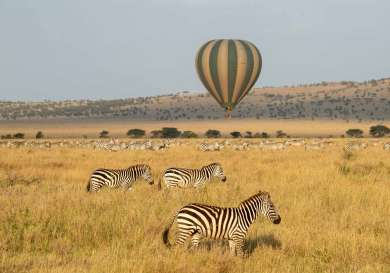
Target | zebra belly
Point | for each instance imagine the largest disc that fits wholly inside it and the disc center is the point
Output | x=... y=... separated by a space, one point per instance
x=197 y=219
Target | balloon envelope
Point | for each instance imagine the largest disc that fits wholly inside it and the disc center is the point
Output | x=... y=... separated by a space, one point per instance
x=228 y=69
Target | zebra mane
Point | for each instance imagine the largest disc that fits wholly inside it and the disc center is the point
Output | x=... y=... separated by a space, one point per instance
x=211 y=165
x=140 y=166
x=258 y=196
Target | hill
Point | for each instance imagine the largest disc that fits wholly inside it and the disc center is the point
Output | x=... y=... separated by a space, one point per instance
x=365 y=101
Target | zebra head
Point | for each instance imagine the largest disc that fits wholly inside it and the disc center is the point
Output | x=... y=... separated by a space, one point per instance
x=268 y=208
x=217 y=171
x=147 y=175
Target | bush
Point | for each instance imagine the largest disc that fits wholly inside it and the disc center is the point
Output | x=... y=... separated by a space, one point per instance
x=18 y=135
x=379 y=131
x=261 y=135
x=39 y=135
x=189 y=134
x=248 y=134
x=156 y=134
x=135 y=133
x=170 y=132
x=235 y=134
x=213 y=133
x=104 y=134
x=7 y=136
x=280 y=134
x=354 y=133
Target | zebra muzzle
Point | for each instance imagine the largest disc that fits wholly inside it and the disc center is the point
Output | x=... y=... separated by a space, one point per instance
x=277 y=220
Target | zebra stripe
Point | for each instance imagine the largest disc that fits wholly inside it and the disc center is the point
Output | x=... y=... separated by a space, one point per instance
x=183 y=178
x=354 y=146
x=386 y=146
x=204 y=221
x=115 y=178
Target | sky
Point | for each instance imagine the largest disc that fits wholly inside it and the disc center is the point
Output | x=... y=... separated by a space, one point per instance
x=99 y=49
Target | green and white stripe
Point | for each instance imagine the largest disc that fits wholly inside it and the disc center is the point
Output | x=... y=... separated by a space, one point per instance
x=228 y=69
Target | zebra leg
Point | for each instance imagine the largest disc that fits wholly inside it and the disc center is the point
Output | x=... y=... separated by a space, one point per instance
x=239 y=242
x=195 y=240
x=182 y=236
x=232 y=246
x=96 y=187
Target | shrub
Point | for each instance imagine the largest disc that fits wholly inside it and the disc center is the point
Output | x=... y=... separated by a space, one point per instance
x=235 y=134
x=135 y=133
x=261 y=135
x=189 y=134
x=280 y=134
x=354 y=133
x=39 y=135
x=248 y=134
x=104 y=134
x=7 y=136
x=156 y=134
x=170 y=132
x=211 y=133
x=18 y=135
x=379 y=131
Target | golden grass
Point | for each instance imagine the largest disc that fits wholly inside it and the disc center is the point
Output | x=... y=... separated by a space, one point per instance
x=118 y=128
x=335 y=212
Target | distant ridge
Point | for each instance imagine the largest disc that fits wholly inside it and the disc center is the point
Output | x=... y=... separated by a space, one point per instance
x=368 y=100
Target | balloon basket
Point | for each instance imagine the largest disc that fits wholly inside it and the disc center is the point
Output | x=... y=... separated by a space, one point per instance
x=228 y=114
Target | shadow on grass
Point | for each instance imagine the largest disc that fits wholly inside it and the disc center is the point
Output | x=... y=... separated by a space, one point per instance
x=251 y=244
x=268 y=240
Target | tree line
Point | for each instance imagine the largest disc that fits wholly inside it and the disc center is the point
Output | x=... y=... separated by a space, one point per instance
x=172 y=132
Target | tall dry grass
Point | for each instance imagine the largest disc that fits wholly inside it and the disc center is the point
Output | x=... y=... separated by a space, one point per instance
x=335 y=212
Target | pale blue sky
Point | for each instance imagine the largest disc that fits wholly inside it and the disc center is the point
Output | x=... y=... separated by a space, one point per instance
x=71 y=49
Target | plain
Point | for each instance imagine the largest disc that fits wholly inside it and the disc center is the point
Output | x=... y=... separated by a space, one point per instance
x=334 y=211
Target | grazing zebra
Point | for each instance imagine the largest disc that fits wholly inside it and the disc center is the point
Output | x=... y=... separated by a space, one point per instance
x=183 y=178
x=232 y=224
x=386 y=146
x=119 y=178
x=206 y=147
x=354 y=146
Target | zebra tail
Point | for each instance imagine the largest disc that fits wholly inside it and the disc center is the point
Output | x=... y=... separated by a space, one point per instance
x=88 y=186
x=166 y=232
x=159 y=184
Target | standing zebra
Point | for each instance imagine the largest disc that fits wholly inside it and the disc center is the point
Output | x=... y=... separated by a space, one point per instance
x=183 y=178
x=204 y=221
x=119 y=178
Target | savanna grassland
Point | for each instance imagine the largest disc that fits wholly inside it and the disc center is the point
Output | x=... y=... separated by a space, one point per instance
x=334 y=208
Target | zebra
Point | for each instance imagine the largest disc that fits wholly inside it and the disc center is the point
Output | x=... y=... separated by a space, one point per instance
x=206 y=147
x=232 y=224
x=354 y=146
x=115 y=178
x=386 y=146
x=184 y=178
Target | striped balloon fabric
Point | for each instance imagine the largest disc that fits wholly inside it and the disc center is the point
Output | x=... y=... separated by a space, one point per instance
x=228 y=69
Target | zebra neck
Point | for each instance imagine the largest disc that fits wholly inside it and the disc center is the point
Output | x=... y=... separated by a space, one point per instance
x=206 y=173
x=249 y=210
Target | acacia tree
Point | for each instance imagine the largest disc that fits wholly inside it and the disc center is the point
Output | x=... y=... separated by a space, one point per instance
x=354 y=132
x=211 y=133
x=104 y=134
x=235 y=134
x=135 y=133
x=39 y=135
x=379 y=131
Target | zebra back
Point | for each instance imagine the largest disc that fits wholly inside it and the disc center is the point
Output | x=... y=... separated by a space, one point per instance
x=119 y=177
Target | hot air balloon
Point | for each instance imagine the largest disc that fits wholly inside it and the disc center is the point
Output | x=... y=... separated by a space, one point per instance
x=228 y=69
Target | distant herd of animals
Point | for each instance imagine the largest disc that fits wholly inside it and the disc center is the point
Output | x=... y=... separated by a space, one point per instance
x=195 y=220
x=115 y=145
